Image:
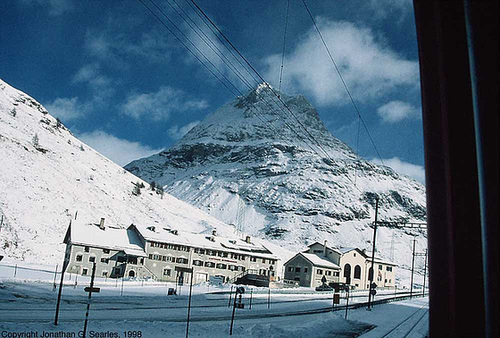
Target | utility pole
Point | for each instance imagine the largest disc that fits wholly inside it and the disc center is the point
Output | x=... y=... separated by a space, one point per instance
x=89 y=290
x=65 y=264
x=425 y=272
x=412 y=268
x=372 y=273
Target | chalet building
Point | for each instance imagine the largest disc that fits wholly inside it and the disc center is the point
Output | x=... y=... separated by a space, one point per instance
x=346 y=265
x=309 y=267
x=117 y=252
x=155 y=252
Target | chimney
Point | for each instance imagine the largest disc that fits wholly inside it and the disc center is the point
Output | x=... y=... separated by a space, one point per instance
x=324 y=249
x=247 y=239
x=214 y=232
x=101 y=225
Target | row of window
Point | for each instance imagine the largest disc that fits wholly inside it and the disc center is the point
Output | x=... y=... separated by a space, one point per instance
x=221 y=266
x=87 y=249
x=170 y=246
x=327 y=272
x=104 y=260
x=162 y=258
x=209 y=252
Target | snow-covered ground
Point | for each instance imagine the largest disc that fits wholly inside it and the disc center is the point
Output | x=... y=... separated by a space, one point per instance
x=125 y=308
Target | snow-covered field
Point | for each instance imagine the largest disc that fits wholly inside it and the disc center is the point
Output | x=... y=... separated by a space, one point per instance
x=133 y=308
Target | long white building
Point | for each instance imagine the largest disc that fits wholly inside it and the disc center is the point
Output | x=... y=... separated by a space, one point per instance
x=155 y=252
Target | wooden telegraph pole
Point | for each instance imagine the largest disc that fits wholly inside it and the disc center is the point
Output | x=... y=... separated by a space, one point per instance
x=371 y=272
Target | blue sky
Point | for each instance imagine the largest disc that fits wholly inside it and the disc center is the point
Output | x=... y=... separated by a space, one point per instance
x=123 y=84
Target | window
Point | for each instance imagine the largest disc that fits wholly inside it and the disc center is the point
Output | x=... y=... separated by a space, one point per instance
x=336 y=273
x=385 y=280
x=253 y=259
x=84 y=272
x=224 y=254
x=355 y=256
x=347 y=271
x=297 y=269
x=290 y=269
x=197 y=263
x=106 y=251
x=263 y=260
x=319 y=272
x=380 y=267
x=305 y=270
x=389 y=268
x=92 y=259
x=133 y=260
x=79 y=258
x=87 y=249
x=221 y=266
x=202 y=251
x=209 y=264
x=167 y=272
x=328 y=273
x=105 y=260
x=272 y=261
x=105 y=274
x=121 y=259
x=357 y=272
x=182 y=260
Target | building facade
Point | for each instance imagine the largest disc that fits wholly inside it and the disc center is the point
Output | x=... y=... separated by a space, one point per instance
x=356 y=264
x=346 y=265
x=155 y=252
x=308 y=269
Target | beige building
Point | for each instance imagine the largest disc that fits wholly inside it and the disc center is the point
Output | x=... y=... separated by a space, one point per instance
x=356 y=264
x=155 y=252
x=345 y=265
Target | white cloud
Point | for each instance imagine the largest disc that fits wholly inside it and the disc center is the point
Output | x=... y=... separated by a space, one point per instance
x=177 y=133
x=116 y=43
x=409 y=169
x=381 y=9
x=396 y=111
x=118 y=150
x=160 y=104
x=67 y=109
x=97 y=82
x=369 y=68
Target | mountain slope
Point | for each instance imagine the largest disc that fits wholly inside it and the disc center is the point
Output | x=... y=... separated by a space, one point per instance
x=245 y=166
x=47 y=177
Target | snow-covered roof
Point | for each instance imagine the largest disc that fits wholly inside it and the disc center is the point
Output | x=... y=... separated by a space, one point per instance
x=347 y=250
x=205 y=241
x=319 y=261
x=328 y=247
x=110 y=238
x=377 y=259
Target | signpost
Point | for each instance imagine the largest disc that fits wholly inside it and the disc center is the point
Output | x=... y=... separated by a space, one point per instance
x=183 y=270
x=240 y=290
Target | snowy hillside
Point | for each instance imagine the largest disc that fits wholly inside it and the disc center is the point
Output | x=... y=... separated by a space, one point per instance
x=289 y=189
x=47 y=176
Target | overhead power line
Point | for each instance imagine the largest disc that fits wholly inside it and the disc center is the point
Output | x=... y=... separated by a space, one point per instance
x=342 y=79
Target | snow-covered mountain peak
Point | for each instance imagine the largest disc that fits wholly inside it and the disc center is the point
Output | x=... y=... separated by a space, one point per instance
x=252 y=163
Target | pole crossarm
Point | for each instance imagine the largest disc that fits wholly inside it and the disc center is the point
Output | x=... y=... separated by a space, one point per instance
x=403 y=225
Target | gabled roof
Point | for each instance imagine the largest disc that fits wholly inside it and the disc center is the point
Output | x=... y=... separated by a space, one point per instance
x=110 y=238
x=378 y=259
x=316 y=260
x=347 y=250
x=330 y=248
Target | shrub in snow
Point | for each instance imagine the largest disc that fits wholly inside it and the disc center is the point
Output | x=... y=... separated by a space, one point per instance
x=35 y=141
x=13 y=112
